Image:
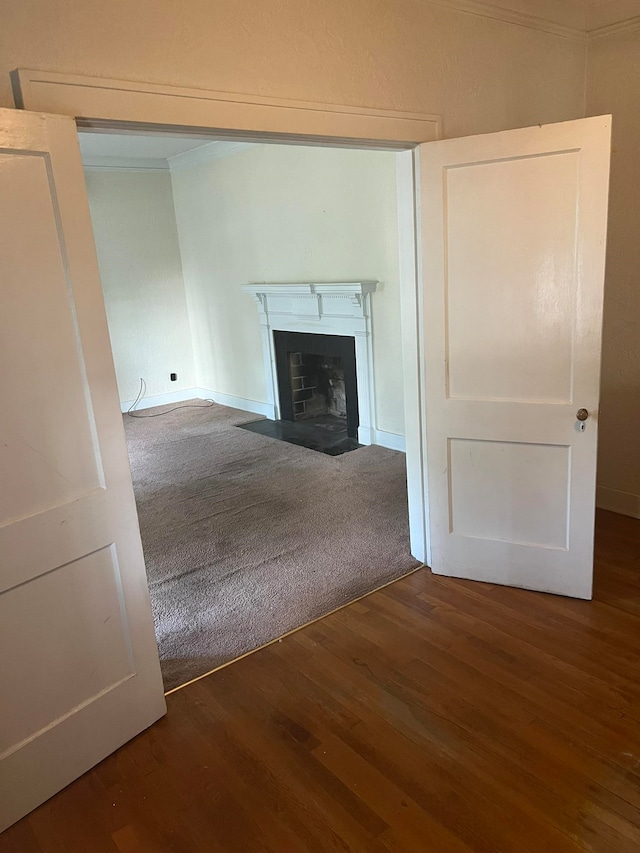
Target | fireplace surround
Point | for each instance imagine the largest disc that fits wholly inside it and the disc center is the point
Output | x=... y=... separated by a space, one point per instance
x=336 y=309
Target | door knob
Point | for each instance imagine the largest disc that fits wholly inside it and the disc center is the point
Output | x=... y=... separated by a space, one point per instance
x=582 y=414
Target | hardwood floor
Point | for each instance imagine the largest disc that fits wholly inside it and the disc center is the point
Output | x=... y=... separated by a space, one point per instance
x=434 y=716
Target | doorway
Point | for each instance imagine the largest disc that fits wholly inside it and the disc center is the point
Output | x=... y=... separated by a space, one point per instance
x=116 y=105
x=247 y=538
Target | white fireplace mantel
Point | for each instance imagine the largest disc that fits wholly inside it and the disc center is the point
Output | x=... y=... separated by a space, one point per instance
x=323 y=308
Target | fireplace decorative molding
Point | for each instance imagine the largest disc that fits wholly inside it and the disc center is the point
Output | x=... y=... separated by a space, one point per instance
x=324 y=308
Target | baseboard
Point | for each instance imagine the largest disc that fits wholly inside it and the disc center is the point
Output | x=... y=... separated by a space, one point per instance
x=204 y=394
x=254 y=406
x=365 y=435
x=614 y=500
x=161 y=399
x=391 y=440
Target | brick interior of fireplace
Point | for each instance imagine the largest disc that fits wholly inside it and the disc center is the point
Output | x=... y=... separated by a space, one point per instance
x=317 y=386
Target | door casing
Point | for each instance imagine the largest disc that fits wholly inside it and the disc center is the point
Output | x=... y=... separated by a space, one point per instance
x=118 y=106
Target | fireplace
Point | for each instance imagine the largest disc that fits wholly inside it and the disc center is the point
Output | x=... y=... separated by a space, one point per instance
x=317 y=379
x=336 y=313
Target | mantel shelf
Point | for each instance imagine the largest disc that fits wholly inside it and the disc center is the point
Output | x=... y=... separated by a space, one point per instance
x=310 y=288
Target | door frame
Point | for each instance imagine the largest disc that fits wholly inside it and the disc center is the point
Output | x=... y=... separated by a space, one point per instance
x=119 y=106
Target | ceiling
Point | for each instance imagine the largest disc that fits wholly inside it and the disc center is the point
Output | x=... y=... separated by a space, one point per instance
x=147 y=146
x=149 y=151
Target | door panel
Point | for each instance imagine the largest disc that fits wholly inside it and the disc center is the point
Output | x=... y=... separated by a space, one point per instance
x=512 y=224
x=62 y=429
x=513 y=235
x=485 y=504
x=79 y=668
x=88 y=618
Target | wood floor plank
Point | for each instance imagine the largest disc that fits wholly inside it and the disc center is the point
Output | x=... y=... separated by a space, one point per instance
x=434 y=715
x=440 y=784
x=327 y=813
x=489 y=762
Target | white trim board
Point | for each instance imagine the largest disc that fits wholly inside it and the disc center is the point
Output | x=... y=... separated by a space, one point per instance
x=390 y=440
x=198 y=393
x=411 y=313
x=100 y=163
x=202 y=154
x=614 y=500
x=101 y=103
x=631 y=25
x=567 y=18
x=160 y=399
x=206 y=153
x=607 y=13
x=573 y=19
x=253 y=406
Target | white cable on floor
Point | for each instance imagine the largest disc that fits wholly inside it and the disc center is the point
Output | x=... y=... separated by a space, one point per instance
x=206 y=404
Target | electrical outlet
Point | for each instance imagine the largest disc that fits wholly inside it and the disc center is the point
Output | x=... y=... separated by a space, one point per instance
x=173 y=376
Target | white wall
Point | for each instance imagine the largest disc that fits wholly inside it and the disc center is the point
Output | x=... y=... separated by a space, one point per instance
x=287 y=213
x=137 y=243
x=479 y=74
x=614 y=87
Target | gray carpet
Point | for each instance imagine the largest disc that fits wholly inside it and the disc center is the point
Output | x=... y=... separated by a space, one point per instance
x=246 y=537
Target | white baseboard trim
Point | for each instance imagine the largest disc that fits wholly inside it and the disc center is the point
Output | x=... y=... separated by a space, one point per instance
x=614 y=500
x=264 y=409
x=204 y=394
x=365 y=435
x=391 y=440
x=161 y=399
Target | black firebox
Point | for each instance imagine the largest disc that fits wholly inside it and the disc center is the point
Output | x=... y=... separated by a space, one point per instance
x=317 y=377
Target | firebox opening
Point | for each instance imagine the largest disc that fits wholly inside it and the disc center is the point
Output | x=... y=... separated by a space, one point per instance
x=317 y=386
x=317 y=380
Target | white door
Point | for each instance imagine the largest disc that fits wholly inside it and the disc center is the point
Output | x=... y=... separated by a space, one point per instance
x=79 y=671
x=513 y=236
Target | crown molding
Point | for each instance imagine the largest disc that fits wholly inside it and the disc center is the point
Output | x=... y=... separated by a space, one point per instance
x=102 y=163
x=631 y=25
x=202 y=154
x=205 y=153
x=606 y=13
x=567 y=19
x=573 y=19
